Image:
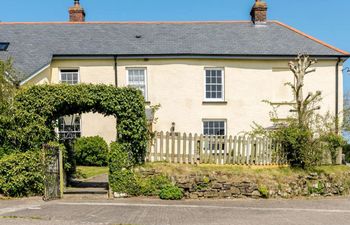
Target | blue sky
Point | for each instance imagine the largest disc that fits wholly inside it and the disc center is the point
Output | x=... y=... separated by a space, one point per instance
x=327 y=20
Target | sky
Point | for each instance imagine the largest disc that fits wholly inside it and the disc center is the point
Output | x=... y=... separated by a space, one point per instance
x=327 y=20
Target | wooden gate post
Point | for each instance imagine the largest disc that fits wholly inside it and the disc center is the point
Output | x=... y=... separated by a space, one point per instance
x=60 y=159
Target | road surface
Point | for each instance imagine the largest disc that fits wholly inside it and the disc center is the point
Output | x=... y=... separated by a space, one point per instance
x=156 y=212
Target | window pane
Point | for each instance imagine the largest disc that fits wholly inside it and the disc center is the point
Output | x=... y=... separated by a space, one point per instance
x=214 y=84
x=137 y=79
x=69 y=127
x=216 y=127
x=69 y=76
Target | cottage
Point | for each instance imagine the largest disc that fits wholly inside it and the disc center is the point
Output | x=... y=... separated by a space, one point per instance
x=209 y=77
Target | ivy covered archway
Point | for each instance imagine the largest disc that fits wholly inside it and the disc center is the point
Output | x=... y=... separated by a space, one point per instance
x=38 y=107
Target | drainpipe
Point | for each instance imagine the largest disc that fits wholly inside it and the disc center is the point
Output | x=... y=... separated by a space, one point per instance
x=337 y=95
x=116 y=70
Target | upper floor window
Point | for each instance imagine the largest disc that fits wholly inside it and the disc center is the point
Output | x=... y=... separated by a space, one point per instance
x=214 y=84
x=137 y=78
x=69 y=76
x=214 y=127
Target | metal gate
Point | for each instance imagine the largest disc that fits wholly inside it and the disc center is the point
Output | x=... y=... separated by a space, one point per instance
x=53 y=172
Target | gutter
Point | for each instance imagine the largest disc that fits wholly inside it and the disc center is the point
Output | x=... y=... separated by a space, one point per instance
x=190 y=55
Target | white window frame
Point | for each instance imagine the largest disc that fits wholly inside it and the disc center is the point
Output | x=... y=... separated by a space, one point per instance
x=146 y=78
x=222 y=99
x=76 y=134
x=63 y=69
x=215 y=120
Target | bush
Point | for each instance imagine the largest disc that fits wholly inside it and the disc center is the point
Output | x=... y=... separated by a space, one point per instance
x=171 y=192
x=294 y=142
x=121 y=177
x=21 y=174
x=334 y=142
x=151 y=186
x=264 y=191
x=346 y=151
x=91 y=151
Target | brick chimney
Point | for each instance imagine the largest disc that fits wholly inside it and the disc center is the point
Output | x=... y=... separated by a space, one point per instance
x=259 y=12
x=76 y=12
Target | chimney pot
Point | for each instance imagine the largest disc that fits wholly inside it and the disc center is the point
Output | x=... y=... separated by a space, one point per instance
x=76 y=12
x=259 y=12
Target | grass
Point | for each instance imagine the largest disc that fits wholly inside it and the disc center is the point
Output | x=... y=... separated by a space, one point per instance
x=90 y=171
x=239 y=173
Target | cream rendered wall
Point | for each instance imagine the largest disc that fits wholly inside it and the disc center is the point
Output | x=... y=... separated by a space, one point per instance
x=178 y=85
x=43 y=78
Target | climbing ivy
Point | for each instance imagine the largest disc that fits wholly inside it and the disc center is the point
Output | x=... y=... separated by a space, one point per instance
x=37 y=108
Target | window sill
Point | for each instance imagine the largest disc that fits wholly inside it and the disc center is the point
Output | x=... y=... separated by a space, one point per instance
x=214 y=102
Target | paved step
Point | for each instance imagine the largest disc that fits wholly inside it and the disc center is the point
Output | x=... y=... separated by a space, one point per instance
x=88 y=184
x=86 y=191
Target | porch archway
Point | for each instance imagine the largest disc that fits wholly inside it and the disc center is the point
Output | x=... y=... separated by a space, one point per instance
x=44 y=104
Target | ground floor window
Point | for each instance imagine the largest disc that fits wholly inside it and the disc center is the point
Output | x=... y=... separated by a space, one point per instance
x=69 y=127
x=214 y=127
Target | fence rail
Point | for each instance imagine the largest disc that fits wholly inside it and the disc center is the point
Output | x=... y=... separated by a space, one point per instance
x=196 y=149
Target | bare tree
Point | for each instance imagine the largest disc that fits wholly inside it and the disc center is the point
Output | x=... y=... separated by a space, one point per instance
x=304 y=107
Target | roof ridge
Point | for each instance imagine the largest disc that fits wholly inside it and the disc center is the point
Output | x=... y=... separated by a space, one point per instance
x=129 y=22
x=310 y=37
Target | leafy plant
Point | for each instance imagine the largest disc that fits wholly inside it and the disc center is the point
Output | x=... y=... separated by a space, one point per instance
x=346 y=151
x=334 y=142
x=151 y=186
x=121 y=177
x=91 y=151
x=21 y=174
x=8 y=84
x=171 y=192
x=264 y=191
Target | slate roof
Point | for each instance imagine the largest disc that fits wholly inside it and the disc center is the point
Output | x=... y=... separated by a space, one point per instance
x=32 y=45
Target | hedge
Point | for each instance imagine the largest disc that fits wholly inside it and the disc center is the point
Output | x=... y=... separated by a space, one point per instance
x=21 y=174
x=37 y=108
x=121 y=176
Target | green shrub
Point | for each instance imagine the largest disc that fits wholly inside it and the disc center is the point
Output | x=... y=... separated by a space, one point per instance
x=264 y=191
x=21 y=174
x=91 y=151
x=299 y=146
x=151 y=186
x=334 y=142
x=121 y=177
x=346 y=151
x=171 y=192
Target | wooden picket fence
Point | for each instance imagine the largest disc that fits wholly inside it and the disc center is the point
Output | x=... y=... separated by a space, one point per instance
x=203 y=149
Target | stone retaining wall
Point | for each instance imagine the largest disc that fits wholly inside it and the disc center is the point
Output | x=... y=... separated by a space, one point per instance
x=213 y=185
